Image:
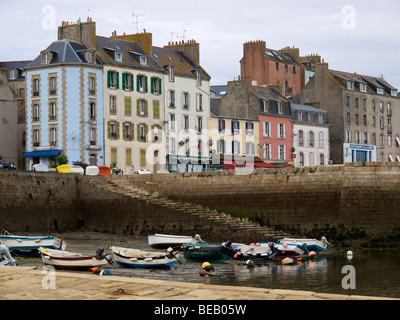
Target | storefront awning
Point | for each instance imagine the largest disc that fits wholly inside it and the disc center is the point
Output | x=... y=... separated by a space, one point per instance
x=42 y=154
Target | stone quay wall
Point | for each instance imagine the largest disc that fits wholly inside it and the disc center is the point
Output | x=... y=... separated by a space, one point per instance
x=354 y=201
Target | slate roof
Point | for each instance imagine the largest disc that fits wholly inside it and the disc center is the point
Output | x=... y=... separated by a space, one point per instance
x=265 y=93
x=305 y=109
x=279 y=56
x=214 y=106
x=19 y=65
x=219 y=90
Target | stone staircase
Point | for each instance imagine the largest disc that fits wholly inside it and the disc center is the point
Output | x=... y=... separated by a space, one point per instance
x=241 y=224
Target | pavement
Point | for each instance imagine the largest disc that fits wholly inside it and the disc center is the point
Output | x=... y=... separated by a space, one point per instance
x=27 y=283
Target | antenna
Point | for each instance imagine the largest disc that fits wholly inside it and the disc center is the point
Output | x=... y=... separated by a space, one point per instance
x=180 y=34
x=136 y=16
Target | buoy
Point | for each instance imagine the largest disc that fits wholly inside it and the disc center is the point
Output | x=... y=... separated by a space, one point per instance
x=287 y=261
x=252 y=244
x=207 y=266
x=95 y=269
x=312 y=255
x=285 y=245
x=250 y=263
x=349 y=254
x=235 y=256
x=202 y=272
x=105 y=272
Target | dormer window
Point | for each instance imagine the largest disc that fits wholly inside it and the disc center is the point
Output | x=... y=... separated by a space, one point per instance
x=379 y=90
x=265 y=105
x=46 y=57
x=12 y=74
x=363 y=87
x=171 y=73
x=143 y=60
x=198 y=78
x=393 y=93
x=350 y=85
x=118 y=56
x=90 y=57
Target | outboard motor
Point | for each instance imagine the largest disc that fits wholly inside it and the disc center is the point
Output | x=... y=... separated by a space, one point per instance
x=100 y=253
x=6 y=253
x=323 y=239
x=198 y=239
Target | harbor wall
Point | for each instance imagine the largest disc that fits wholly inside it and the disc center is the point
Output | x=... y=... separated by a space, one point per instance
x=347 y=202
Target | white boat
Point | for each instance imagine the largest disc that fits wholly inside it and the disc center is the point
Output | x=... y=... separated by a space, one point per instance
x=311 y=244
x=5 y=256
x=143 y=171
x=31 y=244
x=134 y=258
x=165 y=241
x=77 y=169
x=66 y=260
x=40 y=167
x=92 y=171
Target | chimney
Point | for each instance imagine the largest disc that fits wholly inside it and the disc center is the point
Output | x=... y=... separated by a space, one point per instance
x=293 y=52
x=83 y=32
x=144 y=40
x=191 y=49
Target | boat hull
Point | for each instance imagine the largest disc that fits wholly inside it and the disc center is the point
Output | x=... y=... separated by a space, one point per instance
x=30 y=244
x=255 y=253
x=209 y=253
x=311 y=244
x=131 y=258
x=163 y=241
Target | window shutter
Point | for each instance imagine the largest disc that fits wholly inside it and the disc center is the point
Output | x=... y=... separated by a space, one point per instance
x=123 y=130
x=156 y=111
x=232 y=128
x=117 y=80
x=109 y=129
x=233 y=146
x=138 y=107
x=146 y=130
x=189 y=100
x=138 y=132
x=223 y=125
x=131 y=82
x=159 y=86
x=218 y=146
x=284 y=131
x=146 y=111
x=152 y=85
x=264 y=126
x=117 y=130
x=108 y=79
x=146 y=89
x=219 y=125
x=238 y=147
x=138 y=83
x=123 y=80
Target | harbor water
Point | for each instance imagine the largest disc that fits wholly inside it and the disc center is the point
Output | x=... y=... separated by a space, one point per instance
x=374 y=273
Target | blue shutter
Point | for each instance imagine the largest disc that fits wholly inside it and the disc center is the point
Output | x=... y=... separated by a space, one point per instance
x=219 y=125
x=233 y=126
x=233 y=146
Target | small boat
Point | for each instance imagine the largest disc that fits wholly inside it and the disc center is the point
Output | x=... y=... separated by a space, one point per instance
x=40 y=167
x=30 y=244
x=164 y=241
x=64 y=168
x=77 y=169
x=143 y=171
x=217 y=253
x=287 y=250
x=256 y=252
x=5 y=256
x=104 y=171
x=311 y=244
x=134 y=258
x=92 y=171
x=66 y=260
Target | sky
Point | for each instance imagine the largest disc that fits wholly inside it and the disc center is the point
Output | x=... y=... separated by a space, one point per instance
x=359 y=36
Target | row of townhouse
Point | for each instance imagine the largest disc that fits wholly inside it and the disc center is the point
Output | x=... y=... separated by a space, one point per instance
x=251 y=120
x=114 y=100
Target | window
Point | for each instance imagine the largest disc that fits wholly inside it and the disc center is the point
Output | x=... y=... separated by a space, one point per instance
x=320 y=118
x=113 y=105
x=379 y=90
x=310 y=116
x=235 y=147
x=127 y=81
x=128 y=106
x=113 y=155
x=36 y=87
x=93 y=160
x=53 y=136
x=381 y=123
x=142 y=107
x=373 y=121
x=311 y=138
x=348 y=136
x=286 y=68
x=171 y=74
x=321 y=159
x=53 y=108
x=294 y=69
x=365 y=120
x=350 y=85
x=277 y=66
x=199 y=102
x=45 y=58
x=348 y=118
x=249 y=128
x=393 y=93
x=128 y=157
x=221 y=146
x=36 y=112
x=92 y=85
x=356 y=103
x=364 y=104
x=380 y=106
x=113 y=130
x=171 y=98
x=389 y=141
x=185 y=123
x=199 y=124
x=155 y=85
x=118 y=56
x=348 y=102
x=265 y=105
x=221 y=125
x=171 y=122
x=321 y=139
x=92 y=136
x=311 y=159
x=235 y=127
x=198 y=78
x=382 y=140
x=185 y=100
x=373 y=106
x=389 y=109
x=374 y=139
x=363 y=87
x=301 y=137
x=357 y=137
x=281 y=152
x=36 y=137
x=53 y=88
x=280 y=107
x=365 y=138
x=143 y=60
x=301 y=159
x=356 y=119
x=300 y=115
x=142 y=132
x=112 y=79
x=267 y=151
x=12 y=74
x=281 y=131
x=156 y=109
x=267 y=129
x=250 y=148
x=172 y=146
x=141 y=83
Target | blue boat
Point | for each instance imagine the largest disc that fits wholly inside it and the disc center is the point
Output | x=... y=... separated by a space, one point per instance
x=310 y=244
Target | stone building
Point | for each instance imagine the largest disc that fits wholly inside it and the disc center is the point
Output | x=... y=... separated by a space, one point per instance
x=363 y=113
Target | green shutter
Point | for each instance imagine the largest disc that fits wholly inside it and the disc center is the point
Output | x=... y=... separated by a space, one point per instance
x=108 y=79
x=131 y=82
x=138 y=83
x=152 y=84
x=109 y=129
x=123 y=80
x=159 y=86
x=146 y=110
x=117 y=80
x=146 y=89
x=138 y=107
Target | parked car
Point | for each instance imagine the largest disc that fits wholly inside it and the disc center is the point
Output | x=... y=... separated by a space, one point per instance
x=5 y=165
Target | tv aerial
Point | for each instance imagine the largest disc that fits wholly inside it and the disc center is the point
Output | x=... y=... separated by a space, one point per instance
x=136 y=16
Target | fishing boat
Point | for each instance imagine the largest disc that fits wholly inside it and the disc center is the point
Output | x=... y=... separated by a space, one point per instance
x=91 y=171
x=134 y=258
x=217 y=253
x=311 y=244
x=30 y=244
x=104 y=171
x=64 y=168
x=66 y=260
x=164 y=241
x=255 y=252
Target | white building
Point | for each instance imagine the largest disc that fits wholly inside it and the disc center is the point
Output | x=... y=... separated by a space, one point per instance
x=310 y=135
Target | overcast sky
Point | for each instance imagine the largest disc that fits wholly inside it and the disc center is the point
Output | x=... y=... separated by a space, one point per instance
x=352 y=36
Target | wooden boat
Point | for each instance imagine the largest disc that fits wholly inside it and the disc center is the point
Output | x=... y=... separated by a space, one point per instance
x=40 y=167
x=311 y=244
x=77 y=169
x=104 y=171
x=92 y=171
x=30 y=244
x=64 y=168
x=134 y=258
x=66 y=260
x=164 y=241
x=208 y=252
